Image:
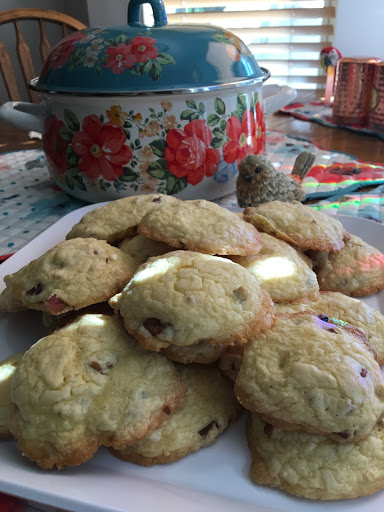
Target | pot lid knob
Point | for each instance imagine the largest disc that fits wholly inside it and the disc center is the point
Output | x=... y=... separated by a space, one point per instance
x=159 y=14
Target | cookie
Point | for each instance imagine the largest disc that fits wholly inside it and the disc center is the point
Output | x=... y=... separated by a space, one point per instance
x=358 y=270
x=117 y=219
x=230 y=362
x=313 y=466
x=200 y=226
x=202 y=352
x=185 y=297
x=142 y=248
x=285 y=273
x=350 y=310
x=54 y=322
x=8 y=300
x=208 y=409
x=7 y=370
x=298 y=224
x=308 y=374
x=72 y=275
x=86 y=385
x=288 y=308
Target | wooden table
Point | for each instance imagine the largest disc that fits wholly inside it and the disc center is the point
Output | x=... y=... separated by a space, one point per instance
x=364 y=147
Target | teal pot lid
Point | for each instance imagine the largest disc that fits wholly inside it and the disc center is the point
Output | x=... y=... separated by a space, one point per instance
x=135 y=59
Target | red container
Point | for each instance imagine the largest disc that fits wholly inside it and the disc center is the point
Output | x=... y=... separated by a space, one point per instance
x=376 y=114
x=354 y=80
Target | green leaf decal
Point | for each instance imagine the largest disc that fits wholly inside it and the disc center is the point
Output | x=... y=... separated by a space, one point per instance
x=221 y=38
x=213 y=119
x=158 y=147
x=219 y=106
x=78 y=53
x=201 y=108
x=241 y=105
x=147 y=66
x=156 y=70
x=186 y=115
x=255 y=98
x=128 y=175
x=104 y=184
x=66 y=134
x=74 y=179
x=191 y=104
x=158 y=170
x=164 y=58
x=121 y=38
x=218 y=133
x=216 y=142
x=72 y=157
x=71 y=119
x=175 y=185
x=223 y=124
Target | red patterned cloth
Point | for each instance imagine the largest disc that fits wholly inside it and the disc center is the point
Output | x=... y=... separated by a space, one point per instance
x=317 y=111
x=11 y=504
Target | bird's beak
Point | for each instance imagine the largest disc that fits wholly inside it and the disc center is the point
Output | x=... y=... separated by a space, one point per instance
x=247 y=177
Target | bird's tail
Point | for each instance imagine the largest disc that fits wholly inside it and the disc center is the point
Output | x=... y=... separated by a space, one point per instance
x=303 y=164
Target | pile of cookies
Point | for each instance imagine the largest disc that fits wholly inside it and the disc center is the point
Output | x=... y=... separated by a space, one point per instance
x=167 y=318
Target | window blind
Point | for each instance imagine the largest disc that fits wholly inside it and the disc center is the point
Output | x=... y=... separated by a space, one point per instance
x=286 y=37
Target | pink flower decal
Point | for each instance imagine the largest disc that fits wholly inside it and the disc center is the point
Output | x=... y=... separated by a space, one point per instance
x=54 y=146
x=189 y=154
x=101 y=148
x=242 y=138
x=61 y=52
x=120 y=58
x=143 y=48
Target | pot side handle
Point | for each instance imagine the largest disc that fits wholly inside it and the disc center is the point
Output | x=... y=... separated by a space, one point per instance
x=277 y=96
x=28 y=116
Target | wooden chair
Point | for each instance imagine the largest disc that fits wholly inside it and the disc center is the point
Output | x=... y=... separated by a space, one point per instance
x=42 y=18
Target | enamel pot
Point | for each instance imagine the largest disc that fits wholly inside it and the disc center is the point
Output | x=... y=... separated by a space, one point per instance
x=134 y=109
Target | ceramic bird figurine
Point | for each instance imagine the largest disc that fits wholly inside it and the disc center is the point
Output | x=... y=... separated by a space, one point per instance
x=259 y=182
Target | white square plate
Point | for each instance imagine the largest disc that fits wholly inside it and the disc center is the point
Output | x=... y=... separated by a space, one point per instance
x=215 y=478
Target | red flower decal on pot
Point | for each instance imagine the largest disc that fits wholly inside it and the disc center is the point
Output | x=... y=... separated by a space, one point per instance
x=242 y=137
x=61 y=52
x=260 y=130
x=101 y=148
x=120 y=58
x=54 y=146
x=143 y=48
x=189 y=154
